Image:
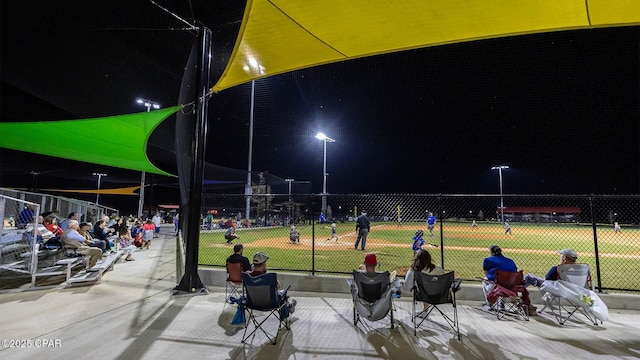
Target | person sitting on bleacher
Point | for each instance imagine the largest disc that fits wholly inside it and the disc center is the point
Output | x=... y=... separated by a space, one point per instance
x=126 y=241
x=83 y=229
x=74 y=241
x=42 y=234
x=51 y=224
x=63 y=224
x=100 y=232
x=26 y=216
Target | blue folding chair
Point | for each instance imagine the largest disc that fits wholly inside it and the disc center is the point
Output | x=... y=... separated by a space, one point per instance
x=262 y=295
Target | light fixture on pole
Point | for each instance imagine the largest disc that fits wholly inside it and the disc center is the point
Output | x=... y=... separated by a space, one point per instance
x=148 y=104
x=325 y=139
x=99 y=175
x=500 y=168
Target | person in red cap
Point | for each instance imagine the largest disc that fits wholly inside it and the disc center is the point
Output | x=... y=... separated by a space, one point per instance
x=370 y=262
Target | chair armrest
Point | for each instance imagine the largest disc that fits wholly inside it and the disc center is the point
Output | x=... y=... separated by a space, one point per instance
x=455 y=285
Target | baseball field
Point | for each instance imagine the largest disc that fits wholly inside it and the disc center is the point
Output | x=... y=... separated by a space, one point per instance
x=457 y=247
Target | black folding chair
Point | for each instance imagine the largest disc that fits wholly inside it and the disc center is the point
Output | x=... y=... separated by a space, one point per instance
x=262 y=295
x=372 y=296
x=436 y=290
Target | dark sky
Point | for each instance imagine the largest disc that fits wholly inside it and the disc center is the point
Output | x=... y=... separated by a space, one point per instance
x=562 y=109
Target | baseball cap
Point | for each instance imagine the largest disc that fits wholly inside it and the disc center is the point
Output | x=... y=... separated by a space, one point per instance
x=570 y=253
x=260 y=257
x=370 y=259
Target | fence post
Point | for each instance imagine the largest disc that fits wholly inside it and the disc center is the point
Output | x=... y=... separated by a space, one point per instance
x=313 y=235
x=441 y=216
x=595 y=243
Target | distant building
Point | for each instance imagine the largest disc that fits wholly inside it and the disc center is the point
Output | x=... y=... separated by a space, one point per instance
x=542 y=214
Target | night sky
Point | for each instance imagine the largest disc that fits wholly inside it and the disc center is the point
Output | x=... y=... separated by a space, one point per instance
x=561 y=109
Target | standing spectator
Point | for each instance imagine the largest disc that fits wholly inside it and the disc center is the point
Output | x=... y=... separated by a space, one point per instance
x=507 y=228
x=363 y=225
x=157 y=220
x=74 y=241
x=237 y=257
x=418 y=242
x=26 y=216
x=65 y=222
x=431 y=223
x=230 y=234
x=176 y=222
x=147 y=233
x=490 y=265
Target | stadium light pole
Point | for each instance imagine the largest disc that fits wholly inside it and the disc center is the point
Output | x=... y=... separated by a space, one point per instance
x=99 y=175
x=500 y=168
x=325 y=139
x=289 y=181
x=148 y=104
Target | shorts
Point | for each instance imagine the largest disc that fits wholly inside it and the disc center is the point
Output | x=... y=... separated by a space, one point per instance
x=147 y=235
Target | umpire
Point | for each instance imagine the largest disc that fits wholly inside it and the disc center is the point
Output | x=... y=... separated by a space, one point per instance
x=363 y=225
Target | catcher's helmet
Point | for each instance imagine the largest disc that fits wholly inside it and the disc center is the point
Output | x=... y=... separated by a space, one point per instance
x=419 y=233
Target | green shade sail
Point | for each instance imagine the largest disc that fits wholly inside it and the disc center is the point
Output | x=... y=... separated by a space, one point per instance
x=118 y=141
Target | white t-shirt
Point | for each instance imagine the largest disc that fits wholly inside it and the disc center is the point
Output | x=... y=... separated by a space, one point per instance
x=408 y=279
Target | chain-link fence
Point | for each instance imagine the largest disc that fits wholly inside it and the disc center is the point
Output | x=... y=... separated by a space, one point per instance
x=604 y=230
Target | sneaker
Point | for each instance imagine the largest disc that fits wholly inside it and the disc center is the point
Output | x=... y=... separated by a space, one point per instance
x=292 y=306
x=488 y=307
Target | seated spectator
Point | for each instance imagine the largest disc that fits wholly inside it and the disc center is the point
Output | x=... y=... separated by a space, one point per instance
x=83 y=229
x=231 y=235
x=63 y=224
x=260 y=267
x=126 y=242
x=237 y=257
x=370 y=262
x=74 y=241
x=26 y=216
x=42 y=233
x=294 y=235
x=101 y=232
x=51 y=224
x=148 y=230
x=421 y=262
x=496 y=261
x=567 y=256
x=136 y=235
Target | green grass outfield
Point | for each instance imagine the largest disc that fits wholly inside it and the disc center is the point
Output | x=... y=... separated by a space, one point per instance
x=533 y=247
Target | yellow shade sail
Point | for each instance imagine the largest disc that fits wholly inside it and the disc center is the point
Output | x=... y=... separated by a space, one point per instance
x=278 y=36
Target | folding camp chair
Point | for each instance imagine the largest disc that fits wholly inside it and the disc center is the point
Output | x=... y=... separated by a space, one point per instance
x=262 y=295
x=233 y=287
x=372 y=296
x=510 y=295
x=435 y=290
x=570 y=294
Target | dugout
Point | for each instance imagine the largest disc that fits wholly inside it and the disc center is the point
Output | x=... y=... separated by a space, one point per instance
x=542 y=214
